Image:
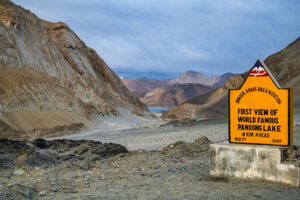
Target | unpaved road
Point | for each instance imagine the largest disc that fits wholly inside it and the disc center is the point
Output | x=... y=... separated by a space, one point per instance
x=155 y=138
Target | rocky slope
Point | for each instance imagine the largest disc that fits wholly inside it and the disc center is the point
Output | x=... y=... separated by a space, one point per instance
x=174 y=95
x=50 y=81
x=284 y=65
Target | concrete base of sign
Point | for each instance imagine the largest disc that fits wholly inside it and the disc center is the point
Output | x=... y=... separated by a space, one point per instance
x=252 y=162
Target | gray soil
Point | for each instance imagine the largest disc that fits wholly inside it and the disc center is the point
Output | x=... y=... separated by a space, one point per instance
x=68 y=169
x=155 y=138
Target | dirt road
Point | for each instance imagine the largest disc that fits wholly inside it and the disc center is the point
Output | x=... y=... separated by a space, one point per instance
x=155 y=138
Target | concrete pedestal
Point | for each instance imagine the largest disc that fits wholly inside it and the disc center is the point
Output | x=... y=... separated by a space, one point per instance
x=252 y=162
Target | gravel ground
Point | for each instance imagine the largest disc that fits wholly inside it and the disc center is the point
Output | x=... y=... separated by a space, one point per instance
x=178 y=171
x=155 y=138
x=92 y=170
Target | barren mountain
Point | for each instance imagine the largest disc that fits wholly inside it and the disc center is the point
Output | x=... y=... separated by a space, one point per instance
x=172 y=92
x=194 y=77
x=284 y=65
x=174 y=95
x=222 y=79
x=141 y=86
x=50 y=81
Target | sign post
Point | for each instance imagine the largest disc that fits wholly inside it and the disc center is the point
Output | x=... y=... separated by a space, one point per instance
x=260 y=112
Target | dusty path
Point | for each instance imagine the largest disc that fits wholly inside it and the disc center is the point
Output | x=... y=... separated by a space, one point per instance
x=155 y=138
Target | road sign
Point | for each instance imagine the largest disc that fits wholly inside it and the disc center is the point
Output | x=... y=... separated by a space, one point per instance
x=260 y=112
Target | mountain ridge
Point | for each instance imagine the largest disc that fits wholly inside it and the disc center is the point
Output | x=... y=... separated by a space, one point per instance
x=49 y=73
x=174 y=95
x=147 y=89
x=284 y=66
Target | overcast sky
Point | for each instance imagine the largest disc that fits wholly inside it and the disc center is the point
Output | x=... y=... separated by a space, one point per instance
x=163 y=38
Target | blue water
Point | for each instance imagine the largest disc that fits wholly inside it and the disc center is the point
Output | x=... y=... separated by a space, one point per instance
x=157 y=109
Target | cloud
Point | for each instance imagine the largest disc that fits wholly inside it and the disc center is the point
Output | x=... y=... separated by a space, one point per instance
x=165 y=38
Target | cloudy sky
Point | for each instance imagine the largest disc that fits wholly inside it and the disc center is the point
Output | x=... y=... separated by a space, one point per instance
x=163 y=38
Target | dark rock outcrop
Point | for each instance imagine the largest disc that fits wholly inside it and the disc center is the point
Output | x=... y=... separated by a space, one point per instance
x=42 y=153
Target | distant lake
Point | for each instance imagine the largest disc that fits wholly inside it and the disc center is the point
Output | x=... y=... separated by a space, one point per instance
x=157 y=109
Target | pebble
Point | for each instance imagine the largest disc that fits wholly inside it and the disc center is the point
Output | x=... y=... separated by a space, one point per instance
x=28 y=194
x=42 y=193
x=176 y=160
x=19 y=172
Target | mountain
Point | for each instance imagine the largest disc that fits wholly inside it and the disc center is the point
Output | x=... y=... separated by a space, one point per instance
x=141 y=86
x=285 y=67
x=50 y=81
x=194 y=77
x=222 y=79
x=169 y=93
x=174 y=95
x=209 y=105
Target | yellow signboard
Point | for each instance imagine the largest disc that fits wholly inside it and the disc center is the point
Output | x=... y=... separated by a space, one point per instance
x=260 y=112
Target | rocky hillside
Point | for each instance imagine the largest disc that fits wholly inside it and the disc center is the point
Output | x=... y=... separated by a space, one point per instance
x=50 y=81
x=174 y=95
x=284 y=65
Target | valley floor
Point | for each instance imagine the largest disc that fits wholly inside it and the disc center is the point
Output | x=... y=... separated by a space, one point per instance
x=89 y=170
x=155 y=138
x=178 y=171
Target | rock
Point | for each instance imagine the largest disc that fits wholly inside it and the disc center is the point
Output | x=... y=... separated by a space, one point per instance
x=43 y=154
x=43 y=193
x=109 y=149
x=81 y=150
x=180 y=148
x=40 y=143
x=25 y=191
x=202 y=140
x=176 y=160
x=291 y=154
x=19 y=172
